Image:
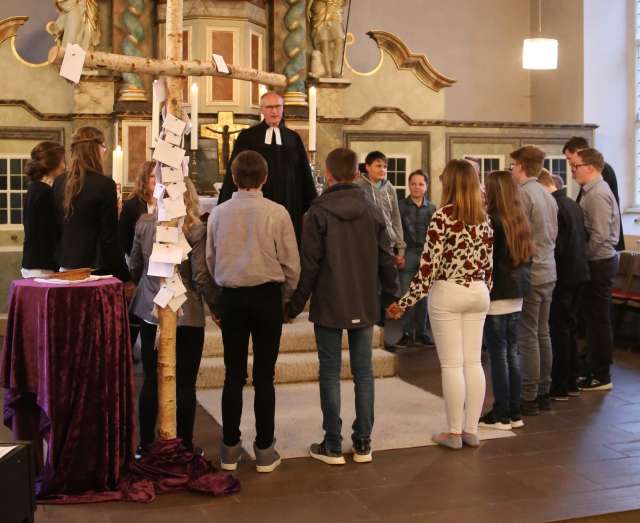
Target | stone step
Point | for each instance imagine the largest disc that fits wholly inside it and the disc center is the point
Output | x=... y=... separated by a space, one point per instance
x=297 y=336
x=293 y=367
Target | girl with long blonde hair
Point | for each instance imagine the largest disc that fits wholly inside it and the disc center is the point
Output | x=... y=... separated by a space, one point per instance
x=455 y=272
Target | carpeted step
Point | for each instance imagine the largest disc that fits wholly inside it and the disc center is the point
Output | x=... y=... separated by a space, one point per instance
x=297 y=336
x=294 y=367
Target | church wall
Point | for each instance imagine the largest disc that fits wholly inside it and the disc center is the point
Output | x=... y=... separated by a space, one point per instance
x=477 y=43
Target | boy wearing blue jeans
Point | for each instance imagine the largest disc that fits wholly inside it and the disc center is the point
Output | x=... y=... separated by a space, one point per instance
x=346 y=268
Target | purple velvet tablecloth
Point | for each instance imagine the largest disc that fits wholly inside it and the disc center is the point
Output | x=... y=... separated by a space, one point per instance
x=67 y=373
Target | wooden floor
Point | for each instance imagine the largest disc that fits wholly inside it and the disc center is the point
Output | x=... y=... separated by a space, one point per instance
x=580 y=461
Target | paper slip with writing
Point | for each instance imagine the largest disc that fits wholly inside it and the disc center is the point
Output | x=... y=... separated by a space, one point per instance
x=171 y=175
x=166 y=253
x=174 y=208
x=174 y=125
x=177 y=301
x=162 y=212
x=73 y=62
x=168 y=154
x=164 y=296
x=184 y=245
x=185 y=166
x=220 y=64
x=167 y=234
x=173 y=139
x=162 y=270
x=158 y=192
x=176 y=190
x=175 y=284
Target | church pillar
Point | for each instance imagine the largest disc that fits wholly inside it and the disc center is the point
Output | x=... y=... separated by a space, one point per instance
x=295 y=43
x=132 y=35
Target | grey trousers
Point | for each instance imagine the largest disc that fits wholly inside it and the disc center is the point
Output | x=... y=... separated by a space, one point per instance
x=534 y=341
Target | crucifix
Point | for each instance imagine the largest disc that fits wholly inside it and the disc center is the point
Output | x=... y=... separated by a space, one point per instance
x=224 y=133
x=176 y=71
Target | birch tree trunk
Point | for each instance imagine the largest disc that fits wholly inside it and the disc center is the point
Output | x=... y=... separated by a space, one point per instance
x=168 y=318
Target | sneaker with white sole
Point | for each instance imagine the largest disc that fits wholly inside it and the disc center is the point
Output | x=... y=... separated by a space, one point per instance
x=491 y=421
x=516 y=421
x=595 y=384
x=230 y=456
x=267 y=460
x=362 y=452
x=320 y=452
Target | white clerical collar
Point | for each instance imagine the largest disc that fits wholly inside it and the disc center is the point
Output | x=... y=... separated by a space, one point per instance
x=268 y=137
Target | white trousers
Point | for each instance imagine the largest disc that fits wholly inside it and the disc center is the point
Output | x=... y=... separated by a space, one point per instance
x=457 y=315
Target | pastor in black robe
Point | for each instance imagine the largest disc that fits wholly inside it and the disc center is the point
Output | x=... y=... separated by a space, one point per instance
x=289 y=181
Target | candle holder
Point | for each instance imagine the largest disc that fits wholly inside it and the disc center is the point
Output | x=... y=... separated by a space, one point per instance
x=316 y=172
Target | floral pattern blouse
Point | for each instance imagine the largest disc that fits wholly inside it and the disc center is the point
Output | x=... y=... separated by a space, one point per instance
x=454 y=252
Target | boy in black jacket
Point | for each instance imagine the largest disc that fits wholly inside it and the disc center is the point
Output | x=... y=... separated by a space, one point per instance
x=573 y=271
x=345 y=260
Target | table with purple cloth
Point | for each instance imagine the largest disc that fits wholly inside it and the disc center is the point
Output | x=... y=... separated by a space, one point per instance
x=67 y=373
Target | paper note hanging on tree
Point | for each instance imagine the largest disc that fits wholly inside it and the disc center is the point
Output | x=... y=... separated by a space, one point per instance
x=177 y=301
x=171 y=175
x=176 y=190
x=176 y=285
x=220 y=64
x=158 y=192
x=160 y=90
x=166 y=253
x=185 y=246
x=185 y=166
x=174 y=125
x=164 y=296
x=168 y=154
x=73 y=62
x=174 y=208
x=167 y=234
x=162 y=270
x=173 y=139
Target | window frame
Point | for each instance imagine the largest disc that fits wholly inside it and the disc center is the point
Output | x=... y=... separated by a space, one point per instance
x=8 y=191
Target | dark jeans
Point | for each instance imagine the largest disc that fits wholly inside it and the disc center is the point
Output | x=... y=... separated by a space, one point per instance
x=189 y=343
x=501 y=340
x=329 y=342
x=563 y=327
x=597 y=312
x=415 y=318
x=255 y=311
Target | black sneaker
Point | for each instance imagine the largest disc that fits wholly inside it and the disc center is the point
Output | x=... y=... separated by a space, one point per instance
x=404 y=342
x=529 y=408
x=595 y=384
x=491 y=421
x=362 y=452
x=320 y=452
x=544 y=402
x=516 y=421
x=573 y=390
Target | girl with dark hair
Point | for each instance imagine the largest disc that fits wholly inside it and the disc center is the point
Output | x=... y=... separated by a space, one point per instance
x=512 y=254
x=140 y=201
x=455 y=272
x=40 y=232
x=87 y=210
x=190 y=332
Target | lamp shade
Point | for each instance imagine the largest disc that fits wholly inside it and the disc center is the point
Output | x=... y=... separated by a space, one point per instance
x=540 y=53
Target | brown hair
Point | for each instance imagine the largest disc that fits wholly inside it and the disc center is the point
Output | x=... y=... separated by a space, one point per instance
x=342 y=163
x=503 y=199
x=85 y=157
x=461 y=188
x=545 y=178
x=249 y=170
x=592 y=157
x=140 y=189
x=419 y=172
x=575 y=143
x=531 y=158
x=45 y=158
x=192 y=203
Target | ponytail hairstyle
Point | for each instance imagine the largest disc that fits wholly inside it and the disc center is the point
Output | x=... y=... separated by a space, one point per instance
x=86 y=156
x=192 y=203
x=503 y=199
x=45 y=158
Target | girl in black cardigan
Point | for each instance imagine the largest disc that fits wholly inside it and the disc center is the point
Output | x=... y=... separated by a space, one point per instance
x=40 y=232
x=140 y=201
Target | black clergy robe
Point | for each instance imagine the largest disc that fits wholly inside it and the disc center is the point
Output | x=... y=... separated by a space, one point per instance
x=289 y=181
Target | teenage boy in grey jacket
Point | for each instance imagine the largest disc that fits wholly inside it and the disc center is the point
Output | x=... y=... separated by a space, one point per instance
x=347 y=269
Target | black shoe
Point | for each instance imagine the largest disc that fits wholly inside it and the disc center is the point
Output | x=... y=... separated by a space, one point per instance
x=362 y=451
x=491 y=421
x=544 y=402
x=529 y=408
x=194 y=450
x=320 y=452
x=595 y=384
x=559 y=396
x=573 y=390
x=404 y=342
x=516 y=421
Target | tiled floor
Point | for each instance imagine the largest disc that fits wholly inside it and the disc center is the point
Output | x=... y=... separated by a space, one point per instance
x=580 y=461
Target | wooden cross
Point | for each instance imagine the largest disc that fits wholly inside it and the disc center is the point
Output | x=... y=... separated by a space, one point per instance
x=176 y=71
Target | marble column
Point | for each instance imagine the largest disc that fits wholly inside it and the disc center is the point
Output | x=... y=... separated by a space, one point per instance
x=295 y=44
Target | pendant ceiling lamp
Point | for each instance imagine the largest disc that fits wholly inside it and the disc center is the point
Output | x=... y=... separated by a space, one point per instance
x=540 y=53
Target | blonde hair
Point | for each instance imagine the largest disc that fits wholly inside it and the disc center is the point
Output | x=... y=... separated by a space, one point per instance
x=85 y=157
x=461 y=188
x=191 y=201
x=141 y=189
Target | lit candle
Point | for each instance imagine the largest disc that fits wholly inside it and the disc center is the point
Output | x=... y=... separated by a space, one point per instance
x=313 y=109
x=194 y=116
x=117 y=164
x=155 y=113
x=115 y=133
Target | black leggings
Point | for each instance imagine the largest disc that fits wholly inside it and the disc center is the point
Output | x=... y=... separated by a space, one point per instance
x=189 y=343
